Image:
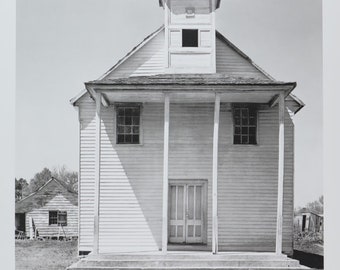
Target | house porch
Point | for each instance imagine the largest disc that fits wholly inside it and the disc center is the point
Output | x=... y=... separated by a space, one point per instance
x=188 y=260
x=110 y=95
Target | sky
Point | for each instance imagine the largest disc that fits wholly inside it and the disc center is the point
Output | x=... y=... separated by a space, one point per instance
x=63 y=43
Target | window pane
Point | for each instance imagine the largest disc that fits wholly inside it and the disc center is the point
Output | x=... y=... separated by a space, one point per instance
x=245 y=113
x=237 y=121
x=252 y=139
x=244 y=130
x=120 y=120
x=135 y=120
x=136 y=130
x=128 y=112
x=245 y=121
x=128 y=120
x=237 y=139
x=237 y=130
x=135 y=112
x=135 y=138
x=120 y=112
x=252 y=131
x=244 y=139
x=120 y=138
x=252 y=121
x=127 y=129
x=128 y=138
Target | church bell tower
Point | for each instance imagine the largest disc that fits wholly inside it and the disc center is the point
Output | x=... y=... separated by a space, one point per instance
x=190 y=36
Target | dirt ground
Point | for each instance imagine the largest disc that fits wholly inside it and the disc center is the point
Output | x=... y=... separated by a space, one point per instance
x=49 y=254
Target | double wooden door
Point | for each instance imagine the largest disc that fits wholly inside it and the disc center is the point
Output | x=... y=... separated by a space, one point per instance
x=187 y=212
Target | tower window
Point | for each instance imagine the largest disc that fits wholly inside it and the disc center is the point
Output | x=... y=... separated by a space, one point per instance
x=189 y=38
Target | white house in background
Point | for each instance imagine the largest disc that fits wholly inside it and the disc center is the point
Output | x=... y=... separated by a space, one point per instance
x=49 y=212
x=186 y=144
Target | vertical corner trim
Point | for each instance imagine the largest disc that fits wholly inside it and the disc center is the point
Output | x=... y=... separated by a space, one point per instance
x=165 y=174
x=214 y=175
x=97 y=175
x=279 y=219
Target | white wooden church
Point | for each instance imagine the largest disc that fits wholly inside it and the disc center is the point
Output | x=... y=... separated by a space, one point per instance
x=186 y=149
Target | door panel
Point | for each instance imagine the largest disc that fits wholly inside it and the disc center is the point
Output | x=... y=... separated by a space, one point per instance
x=177 y=214
x=186 y=213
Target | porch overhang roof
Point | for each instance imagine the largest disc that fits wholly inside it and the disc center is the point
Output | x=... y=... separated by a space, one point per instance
x=189 y=88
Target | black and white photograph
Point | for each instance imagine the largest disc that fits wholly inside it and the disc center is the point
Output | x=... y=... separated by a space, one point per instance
x=169 y=134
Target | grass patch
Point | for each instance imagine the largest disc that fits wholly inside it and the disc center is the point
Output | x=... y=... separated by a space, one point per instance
x=49 y=254
x=309 y=242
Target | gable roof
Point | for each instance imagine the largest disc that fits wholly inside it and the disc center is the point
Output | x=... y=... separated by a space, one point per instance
x=250 y=73
x=44 y=194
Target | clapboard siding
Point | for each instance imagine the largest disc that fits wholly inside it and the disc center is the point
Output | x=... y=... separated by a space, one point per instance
x=86 y=172
x=131 y=178
x=40 y=218
x=228 y=61
x=247 y=186
x=149 y=60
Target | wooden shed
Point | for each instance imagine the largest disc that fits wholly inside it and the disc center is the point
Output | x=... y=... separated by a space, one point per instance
x=50 y=211
x=186 y=144
x=307 y=220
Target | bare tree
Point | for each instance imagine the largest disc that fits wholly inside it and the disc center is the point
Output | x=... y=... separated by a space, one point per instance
x=70 y=178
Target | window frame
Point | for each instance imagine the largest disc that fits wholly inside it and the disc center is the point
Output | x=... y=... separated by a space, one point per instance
x=128 y=104
x=190 y=30
x=57 y=221
x=248 y=106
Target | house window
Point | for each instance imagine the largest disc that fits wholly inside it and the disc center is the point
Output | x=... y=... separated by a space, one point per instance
x=189 y=38
x=57 y=217
x=245 y=122
x=128 y=125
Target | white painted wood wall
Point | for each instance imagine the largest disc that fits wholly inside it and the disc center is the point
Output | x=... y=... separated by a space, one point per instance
x=131 y=178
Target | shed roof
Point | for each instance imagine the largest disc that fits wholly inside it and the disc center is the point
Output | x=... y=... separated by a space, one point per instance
x=44 y=194
x=305 y=210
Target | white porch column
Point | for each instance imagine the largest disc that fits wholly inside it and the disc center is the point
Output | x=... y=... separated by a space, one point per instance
x=97 y=175
x=280 y=174
x=214 y=175
x=165 y=174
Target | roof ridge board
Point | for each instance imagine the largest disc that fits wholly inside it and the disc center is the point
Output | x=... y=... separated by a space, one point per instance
x=43 y=186
x=133 y=51
x=33 y=193
x=245 y=56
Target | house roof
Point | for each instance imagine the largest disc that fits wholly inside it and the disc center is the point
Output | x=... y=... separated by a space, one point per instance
x=44 y=194
x=188 y=79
